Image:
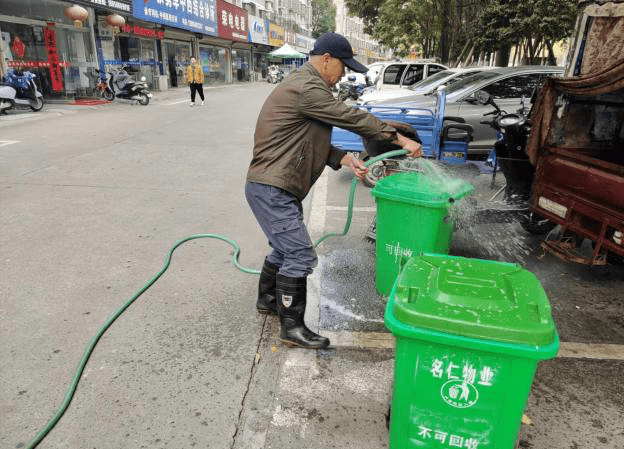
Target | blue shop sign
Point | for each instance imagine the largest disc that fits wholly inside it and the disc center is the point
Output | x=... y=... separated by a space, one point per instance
x=199 y=16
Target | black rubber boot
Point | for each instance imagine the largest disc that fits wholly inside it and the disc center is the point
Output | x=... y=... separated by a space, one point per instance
x=291 y=305
x=266 y=289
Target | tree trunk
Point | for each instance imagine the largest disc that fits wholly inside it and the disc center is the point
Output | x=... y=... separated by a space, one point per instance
x=469 y=56
x=552 y=60
x=461 y=54
x=502 y=55
x=444 y=25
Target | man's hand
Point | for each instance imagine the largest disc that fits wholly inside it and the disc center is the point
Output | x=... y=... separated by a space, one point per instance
x=414 y=149
x=356 y=165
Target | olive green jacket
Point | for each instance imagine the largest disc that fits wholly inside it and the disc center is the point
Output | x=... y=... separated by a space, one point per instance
x=292 y=141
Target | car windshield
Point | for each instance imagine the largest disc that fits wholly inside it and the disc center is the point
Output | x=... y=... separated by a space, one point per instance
x=430 y=80
x=471 y=80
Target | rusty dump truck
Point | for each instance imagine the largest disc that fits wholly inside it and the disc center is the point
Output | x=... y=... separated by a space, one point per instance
x=577 y=142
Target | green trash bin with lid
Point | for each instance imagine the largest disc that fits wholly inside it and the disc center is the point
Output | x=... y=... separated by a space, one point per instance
x=469 y=335
x=414 y=215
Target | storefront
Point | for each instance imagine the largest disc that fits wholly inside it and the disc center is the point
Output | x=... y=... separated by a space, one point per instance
x=38 y=37
x=259 y=38
x=214 y=56
x=232 y=22
x=184 y=24
x=136 y=47
x=177 y=52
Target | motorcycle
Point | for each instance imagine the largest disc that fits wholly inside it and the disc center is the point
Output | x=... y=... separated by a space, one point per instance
x=350 y=89
x=513 y=132
x=120 y=84
x=275 y=75
x=20 y=90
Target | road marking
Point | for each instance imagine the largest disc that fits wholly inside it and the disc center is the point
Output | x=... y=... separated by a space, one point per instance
x=186 y=100
x=382 y=340
x=4 y=143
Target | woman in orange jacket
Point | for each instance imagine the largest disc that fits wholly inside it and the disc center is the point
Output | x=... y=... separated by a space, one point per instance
x=195 y=78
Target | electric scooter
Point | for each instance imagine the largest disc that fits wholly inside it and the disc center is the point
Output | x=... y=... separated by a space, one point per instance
x=513 y=132
x=20 y=91
x=119 y=84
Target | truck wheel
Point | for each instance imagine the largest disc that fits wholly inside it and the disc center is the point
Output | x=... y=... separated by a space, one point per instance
x=536 y=224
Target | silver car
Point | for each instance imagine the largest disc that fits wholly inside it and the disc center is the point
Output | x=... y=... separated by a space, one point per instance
x=510 y=87
x=371 y=95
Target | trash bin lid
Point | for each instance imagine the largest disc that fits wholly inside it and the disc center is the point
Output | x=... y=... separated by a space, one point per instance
x=418 y=188
x=481 y=299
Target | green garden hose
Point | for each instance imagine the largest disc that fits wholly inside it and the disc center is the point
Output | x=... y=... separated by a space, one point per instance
x=89 y=349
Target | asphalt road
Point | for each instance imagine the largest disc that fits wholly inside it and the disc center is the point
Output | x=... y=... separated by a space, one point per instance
x=94 y=197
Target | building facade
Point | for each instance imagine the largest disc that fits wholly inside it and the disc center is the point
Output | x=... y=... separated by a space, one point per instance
x=68 y=44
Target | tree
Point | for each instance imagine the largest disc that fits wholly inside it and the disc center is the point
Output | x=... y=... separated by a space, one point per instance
x=531 y=26
x=323 y=17
x=456 y=30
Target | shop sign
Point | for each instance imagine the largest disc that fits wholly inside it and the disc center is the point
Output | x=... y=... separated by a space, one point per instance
x=194 y=15
x=232 y=21
x=303 y=42
x=258 y=30
x=122 y=6
x=49 y=35
x=276 y=35
x=35 y=64
x=142 y=31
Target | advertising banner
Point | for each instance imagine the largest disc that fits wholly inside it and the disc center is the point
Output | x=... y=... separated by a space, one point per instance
x=290 y=37
x=258 y=30
x=118 y=6
x=49 y=35
x=194 y=15
x=304 y=43
x=232 y=21
x=276 y=35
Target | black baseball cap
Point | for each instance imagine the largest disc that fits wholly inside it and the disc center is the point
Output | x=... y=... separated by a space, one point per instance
x=339 y=47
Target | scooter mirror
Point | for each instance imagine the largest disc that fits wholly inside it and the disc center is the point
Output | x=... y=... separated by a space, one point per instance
x=351 y=78
x=482 y=97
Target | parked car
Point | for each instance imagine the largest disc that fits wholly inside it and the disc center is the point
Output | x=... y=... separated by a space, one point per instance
x=400 y=75
x=371 y=95
x=511 y=87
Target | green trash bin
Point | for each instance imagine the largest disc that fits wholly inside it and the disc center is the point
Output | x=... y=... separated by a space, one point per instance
x=469 y=334
x=413 y=216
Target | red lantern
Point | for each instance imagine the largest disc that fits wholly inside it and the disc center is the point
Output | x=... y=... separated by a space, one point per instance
x=115 y=20
x=77 y=14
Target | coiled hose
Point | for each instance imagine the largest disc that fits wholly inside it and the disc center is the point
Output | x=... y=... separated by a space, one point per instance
x=89 y=349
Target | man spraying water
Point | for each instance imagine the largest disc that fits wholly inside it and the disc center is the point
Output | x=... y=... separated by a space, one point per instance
x=291 y=149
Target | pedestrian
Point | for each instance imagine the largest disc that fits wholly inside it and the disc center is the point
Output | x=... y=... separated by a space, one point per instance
x=195 y=78
x=291 y=148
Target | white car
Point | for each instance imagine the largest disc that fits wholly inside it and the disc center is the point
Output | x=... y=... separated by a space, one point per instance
x=371 y=95
x=389 y=76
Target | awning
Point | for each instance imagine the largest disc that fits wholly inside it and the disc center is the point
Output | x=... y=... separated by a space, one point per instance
x=287 y=52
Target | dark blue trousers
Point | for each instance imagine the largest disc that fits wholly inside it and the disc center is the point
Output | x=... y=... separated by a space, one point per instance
x=280 y=215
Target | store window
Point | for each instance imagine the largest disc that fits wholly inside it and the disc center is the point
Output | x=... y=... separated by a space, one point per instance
x=214 y=64
x=24 y=48
x=241 y=63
